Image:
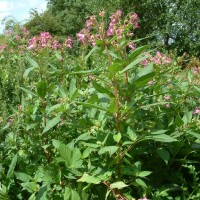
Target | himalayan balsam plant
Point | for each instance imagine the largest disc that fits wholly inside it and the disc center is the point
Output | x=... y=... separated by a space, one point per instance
x=118 y=121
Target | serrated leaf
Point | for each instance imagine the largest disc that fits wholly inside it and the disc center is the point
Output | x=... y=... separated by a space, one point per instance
x=52 y=123
x=89 y=179
x=119 y=185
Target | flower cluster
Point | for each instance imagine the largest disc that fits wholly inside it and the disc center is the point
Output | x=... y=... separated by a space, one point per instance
x=116 y=27
x=2 y=47
x=195 y=70
x=158 y=59
x=45 y=40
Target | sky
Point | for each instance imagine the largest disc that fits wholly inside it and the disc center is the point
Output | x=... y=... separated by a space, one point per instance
x=19 y=9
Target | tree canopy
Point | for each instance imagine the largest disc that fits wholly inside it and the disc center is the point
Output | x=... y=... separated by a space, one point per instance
x=173 y=24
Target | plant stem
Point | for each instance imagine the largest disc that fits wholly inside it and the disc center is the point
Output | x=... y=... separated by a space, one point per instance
x=117 y=114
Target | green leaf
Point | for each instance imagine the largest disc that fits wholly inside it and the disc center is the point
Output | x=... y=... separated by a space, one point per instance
x=112 y=108
x=110 y=149
x=114 y=68
x=92 y=106
x=102 y=89
x=133 y=64
x=71 y=194
x=28 y=91
x=132 y=135
x=196 y=135
x=52 y=123
x=140 y=182
x=72 y=88
x=12 y=167
x=89 y=179
x=162 y=138
x=144 y=173
x=146 y=70
x=164 y=154
x=32 y=62
x=42 y=89
x=41 y=195
x=119 y=185
x=90 y=53
x=143 y=80
x=27 y=71
x=117 y=137
x=31 y=186
x=23 y=177
x=137 y=52
x=72 y=157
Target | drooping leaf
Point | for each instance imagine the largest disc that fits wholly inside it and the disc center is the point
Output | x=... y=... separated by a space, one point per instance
x=164 y=154
x=52 y=123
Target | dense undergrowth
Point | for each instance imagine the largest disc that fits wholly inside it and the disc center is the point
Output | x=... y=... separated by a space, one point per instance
x=117 y=121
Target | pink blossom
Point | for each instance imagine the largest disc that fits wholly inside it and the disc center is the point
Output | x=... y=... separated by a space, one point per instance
x=196 y=111
x=144 y=198
x=167 y=105
x=3 y=46
x=195 y=70
x=18 y=37
x=151 y=82
x=68 y=42
x=131 y=45
x=168 y=97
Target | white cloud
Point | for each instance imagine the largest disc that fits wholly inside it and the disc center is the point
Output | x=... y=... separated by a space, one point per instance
x=19 y=9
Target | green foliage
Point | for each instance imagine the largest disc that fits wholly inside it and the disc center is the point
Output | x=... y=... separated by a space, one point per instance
x=100 y=125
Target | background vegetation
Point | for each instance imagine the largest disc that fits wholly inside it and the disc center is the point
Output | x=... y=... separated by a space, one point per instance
x=94 y=110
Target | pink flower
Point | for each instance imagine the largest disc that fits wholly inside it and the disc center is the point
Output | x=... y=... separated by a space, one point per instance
x=151 y=82
x=144 y=198
x=168 y=97
x=195 y=70
x=18 y=37
x=167 y=105
x=68 y=42
x=196 y=111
